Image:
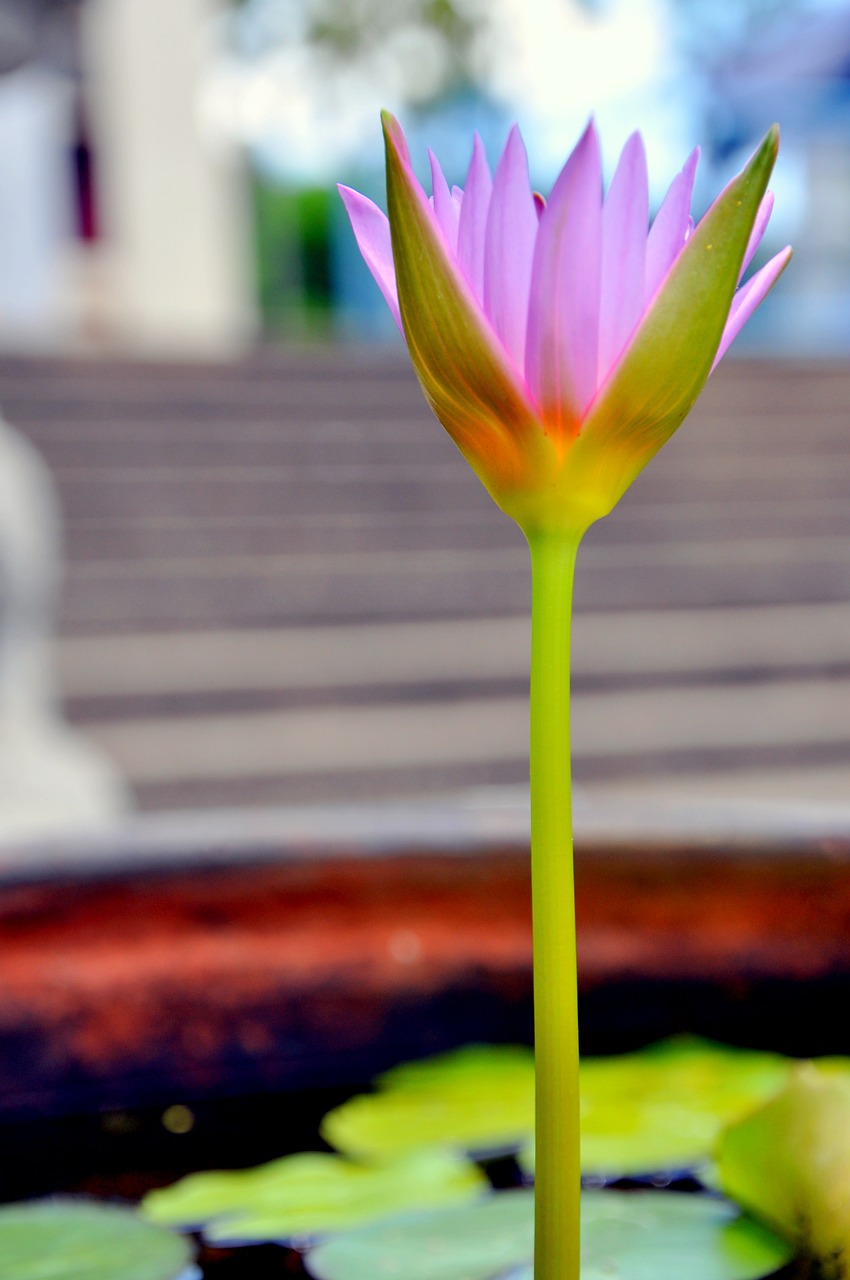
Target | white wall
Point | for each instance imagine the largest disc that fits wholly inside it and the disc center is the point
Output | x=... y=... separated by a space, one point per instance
x=176 y=274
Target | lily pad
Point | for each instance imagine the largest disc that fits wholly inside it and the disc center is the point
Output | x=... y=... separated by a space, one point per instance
x=834 y=1067
x=659 y=1109
x=480 y=1098
x=652 y=1234
x=625 y=1236
x=311 y=1194
x=662 y=1108
x=789 y=1163
x=472 y=1243
x=67 y=1239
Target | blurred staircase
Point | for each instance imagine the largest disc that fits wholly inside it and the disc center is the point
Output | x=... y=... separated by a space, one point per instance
x=283 y=586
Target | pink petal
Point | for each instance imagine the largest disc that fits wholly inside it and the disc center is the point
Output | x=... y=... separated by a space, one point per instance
x=748 y=298
x=759 y=228
x=509 y=249
x=372 y=232
x=473 y=219
x=625 y=216
x=446 y=208
x=671 y=226
x=563 y=321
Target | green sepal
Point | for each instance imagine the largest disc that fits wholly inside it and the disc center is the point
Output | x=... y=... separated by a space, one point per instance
x=465 y=373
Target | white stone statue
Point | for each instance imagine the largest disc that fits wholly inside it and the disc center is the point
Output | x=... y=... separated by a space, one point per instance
x=51 y=778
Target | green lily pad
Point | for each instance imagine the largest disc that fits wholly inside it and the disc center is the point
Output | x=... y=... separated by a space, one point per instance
x=659 y=1109
x=663 y=1107
x=480 y=1098
x=310 y=1194
x=78 y=1240
x=833 y=1067
x=647 y=1235
x=789 y=1163
x=472 y=1243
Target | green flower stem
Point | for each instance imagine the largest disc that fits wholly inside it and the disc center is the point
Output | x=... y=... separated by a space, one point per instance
x=557 y=1161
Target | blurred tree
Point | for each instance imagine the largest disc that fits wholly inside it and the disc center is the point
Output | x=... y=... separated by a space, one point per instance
x=294 y=283
x=429 y=47
x=319 y=70
x=444 y=32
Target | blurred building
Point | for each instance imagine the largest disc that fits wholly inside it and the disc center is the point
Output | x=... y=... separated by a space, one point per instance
x=123 y=223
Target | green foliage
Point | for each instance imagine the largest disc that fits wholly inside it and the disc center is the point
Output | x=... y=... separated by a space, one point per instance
x=292 y=255
x=625 y=1236
x=80 y=1240
x=347 y=27
x=310 y=1194
x=789 y=1163
x=435 y=44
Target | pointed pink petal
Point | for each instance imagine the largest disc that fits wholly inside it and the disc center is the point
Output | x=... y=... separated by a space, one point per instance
x=759 y=228
x=372 y=232
x=509 y=249
x=671 y=226
x=563 y=319
x=473 y=219
x=625 y=216
x=748 y=298
x=446 y=209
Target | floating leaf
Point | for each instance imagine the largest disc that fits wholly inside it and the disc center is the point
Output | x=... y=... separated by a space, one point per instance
x=648 y=1235
x=480 y=1098
x=505 y=1063
x=658 y=1109
x=789 y=1163
x=78 y=1240
x=833 y=1067
x=309 y=1194
x=662 y=1108
x=625 y=1236
x=470 y=1243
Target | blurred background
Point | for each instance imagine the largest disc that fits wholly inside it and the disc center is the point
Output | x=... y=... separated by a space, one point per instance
x=272 y=581
x=168 y=170
x=258 y=618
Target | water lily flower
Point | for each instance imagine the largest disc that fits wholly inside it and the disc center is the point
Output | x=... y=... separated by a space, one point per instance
x=561 y=343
